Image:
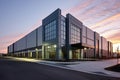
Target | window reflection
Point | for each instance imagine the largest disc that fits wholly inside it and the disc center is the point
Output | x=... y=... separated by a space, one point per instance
x=63 y=30
x=50 y=31
x=75 y=34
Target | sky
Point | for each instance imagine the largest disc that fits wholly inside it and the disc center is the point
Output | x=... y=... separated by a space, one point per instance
x=19 y=17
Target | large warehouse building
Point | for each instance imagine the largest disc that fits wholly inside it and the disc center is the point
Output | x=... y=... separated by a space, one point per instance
x=61 y=38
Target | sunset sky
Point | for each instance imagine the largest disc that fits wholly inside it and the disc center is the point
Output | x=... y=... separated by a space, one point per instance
x=19 y=17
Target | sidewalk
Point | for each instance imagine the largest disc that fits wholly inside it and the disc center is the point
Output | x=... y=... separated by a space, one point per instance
x=93 y=67
x=96 y=67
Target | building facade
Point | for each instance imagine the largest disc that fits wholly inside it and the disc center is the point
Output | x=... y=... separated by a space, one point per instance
x=61 y=38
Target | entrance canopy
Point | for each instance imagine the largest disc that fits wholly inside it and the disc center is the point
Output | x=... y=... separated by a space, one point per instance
x=82 y=45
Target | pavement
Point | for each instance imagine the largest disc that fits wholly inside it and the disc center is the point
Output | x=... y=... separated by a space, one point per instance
x=92 y=67
x=96 y=67
x=14 y=69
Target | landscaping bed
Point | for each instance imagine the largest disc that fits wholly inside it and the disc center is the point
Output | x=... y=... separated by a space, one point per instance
x=115 y=68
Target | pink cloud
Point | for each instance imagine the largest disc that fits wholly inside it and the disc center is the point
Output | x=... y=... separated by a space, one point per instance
x=81 y=5
x=106 y=21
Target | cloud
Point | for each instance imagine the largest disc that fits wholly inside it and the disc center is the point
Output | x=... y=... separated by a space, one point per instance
x=107 y=21
x=115 y=37
x=78 y=7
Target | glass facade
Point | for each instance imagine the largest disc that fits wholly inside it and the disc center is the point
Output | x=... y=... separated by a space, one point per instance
x=50 y=31
x=63 y=30
x=75 y=34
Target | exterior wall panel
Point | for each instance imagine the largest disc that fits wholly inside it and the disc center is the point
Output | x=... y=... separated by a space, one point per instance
x=110 y=48
x=84 y=34
x=100 y=47
x=10 y=48
x=90 y=34
x=21 y=44
x=104 y=47
x=96 y=44
x=90 y=37
x=84 y=31
x=15 y=47
x=84 y=40
x=39 y=36
x=31 y=39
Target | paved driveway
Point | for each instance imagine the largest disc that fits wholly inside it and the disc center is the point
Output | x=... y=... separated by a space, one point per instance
x=22 y=70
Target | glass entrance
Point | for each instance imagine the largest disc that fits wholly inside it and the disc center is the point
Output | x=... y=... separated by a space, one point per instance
x=50 y=51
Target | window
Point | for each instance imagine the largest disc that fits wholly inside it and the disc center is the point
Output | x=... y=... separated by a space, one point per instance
x=75 y=34
x=50 y=31
x=63 y=30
